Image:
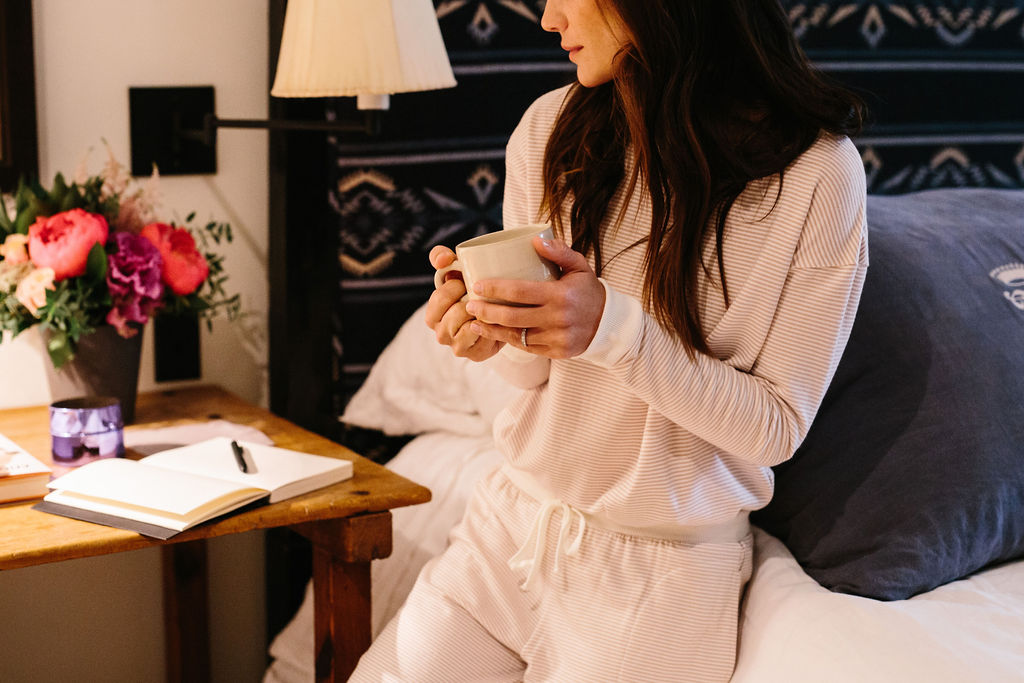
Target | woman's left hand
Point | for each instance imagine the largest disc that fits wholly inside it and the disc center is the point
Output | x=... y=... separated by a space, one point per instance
x=560 y=317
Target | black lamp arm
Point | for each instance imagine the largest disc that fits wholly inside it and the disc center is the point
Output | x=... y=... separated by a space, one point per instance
x=370 y=125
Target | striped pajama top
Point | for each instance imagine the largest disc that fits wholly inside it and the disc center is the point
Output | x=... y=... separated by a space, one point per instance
x=636 y=431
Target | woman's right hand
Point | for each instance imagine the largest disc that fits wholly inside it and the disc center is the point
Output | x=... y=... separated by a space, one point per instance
x=446 y=314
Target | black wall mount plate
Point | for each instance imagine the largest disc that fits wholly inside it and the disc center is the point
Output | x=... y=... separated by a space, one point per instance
x=166 y=127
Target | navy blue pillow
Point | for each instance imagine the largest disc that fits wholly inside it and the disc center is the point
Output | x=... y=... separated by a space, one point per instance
x=912 y=474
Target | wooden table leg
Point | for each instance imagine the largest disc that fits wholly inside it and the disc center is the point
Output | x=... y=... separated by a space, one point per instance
x=342 y=551
x=186 y=612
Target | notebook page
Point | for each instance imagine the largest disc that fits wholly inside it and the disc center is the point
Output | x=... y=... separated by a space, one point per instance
x=130 y=482
x=278 y=470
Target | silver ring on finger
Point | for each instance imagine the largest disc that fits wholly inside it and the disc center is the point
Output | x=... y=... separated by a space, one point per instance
x=522 y=337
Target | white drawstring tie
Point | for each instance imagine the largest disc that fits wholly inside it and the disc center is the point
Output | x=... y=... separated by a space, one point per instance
x=531 y=554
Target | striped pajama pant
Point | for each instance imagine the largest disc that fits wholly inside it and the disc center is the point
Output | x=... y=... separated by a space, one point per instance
x=598 y=604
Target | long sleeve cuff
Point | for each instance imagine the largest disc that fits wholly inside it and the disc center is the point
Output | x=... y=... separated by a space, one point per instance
x=619 y=331
x=520 y=369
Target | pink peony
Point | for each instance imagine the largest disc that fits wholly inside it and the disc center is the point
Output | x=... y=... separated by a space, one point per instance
x=15 y=248
x=31 y=291
x=63 y=241
x=184 y=268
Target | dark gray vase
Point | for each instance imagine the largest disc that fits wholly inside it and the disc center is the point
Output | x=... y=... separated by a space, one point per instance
x=106 y=364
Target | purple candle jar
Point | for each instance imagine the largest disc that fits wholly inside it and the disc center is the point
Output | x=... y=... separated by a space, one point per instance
x=86 y=429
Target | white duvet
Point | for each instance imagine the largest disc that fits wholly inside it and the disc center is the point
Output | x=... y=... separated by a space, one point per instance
x=794 y=631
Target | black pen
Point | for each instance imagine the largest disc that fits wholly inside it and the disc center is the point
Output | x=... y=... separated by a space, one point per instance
x=239 y=456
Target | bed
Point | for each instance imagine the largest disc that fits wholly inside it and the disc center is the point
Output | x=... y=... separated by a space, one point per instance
x=894 y=548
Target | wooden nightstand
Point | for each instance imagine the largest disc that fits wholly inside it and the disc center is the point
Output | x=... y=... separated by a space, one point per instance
x=349 y=524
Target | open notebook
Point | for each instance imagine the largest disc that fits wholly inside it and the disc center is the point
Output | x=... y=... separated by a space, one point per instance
x=170 y=491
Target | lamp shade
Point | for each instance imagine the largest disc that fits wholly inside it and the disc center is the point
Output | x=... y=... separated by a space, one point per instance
x=340 y=48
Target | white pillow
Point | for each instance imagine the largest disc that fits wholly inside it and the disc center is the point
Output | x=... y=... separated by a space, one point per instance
x=417 y=385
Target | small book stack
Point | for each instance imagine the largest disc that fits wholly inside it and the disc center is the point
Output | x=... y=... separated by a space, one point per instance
x=22 y=475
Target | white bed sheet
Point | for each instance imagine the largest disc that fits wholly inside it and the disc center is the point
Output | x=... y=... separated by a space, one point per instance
x=792 y=629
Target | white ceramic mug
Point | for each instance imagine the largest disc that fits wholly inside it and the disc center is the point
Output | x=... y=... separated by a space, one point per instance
x=505 y=254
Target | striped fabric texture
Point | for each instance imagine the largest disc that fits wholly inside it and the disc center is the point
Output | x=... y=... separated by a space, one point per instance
x=622 y=609
x=635 y=431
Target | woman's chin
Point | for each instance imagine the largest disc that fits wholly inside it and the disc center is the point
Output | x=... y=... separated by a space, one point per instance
x=590 y=80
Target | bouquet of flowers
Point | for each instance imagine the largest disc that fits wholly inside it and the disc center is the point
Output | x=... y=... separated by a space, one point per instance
x=93 y=252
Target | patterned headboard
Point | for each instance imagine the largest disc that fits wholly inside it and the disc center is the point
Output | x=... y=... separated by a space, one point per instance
x=944 y=81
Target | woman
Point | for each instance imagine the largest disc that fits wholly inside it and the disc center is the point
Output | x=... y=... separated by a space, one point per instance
x=701 y=173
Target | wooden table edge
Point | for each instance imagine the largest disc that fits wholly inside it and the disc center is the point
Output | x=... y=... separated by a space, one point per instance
x=90 y=540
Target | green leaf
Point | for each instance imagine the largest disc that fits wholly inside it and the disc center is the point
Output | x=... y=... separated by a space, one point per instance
x=68 y=201
x=61 y=196
x=60 y=348
x=60 y=186
x=26 y=218
x=36 y=190
x=96 y=265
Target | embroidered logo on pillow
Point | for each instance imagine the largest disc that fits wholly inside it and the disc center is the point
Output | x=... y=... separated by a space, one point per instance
x=1011 y=275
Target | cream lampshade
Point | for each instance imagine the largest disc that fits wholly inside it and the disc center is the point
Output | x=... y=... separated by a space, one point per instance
x=366 y=48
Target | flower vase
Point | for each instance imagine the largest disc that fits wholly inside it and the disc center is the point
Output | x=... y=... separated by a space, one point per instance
x=105 y=364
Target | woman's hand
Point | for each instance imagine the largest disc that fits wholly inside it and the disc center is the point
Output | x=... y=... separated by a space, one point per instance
x=446 y=314
x=560 y=318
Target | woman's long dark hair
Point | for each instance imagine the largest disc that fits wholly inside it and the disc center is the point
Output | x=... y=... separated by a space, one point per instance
x=707 y=95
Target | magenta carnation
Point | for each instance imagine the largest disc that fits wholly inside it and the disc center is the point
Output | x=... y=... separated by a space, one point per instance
x=133 y=276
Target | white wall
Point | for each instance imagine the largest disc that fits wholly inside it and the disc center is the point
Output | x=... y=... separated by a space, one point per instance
x=87 y=55
x=100 y=619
